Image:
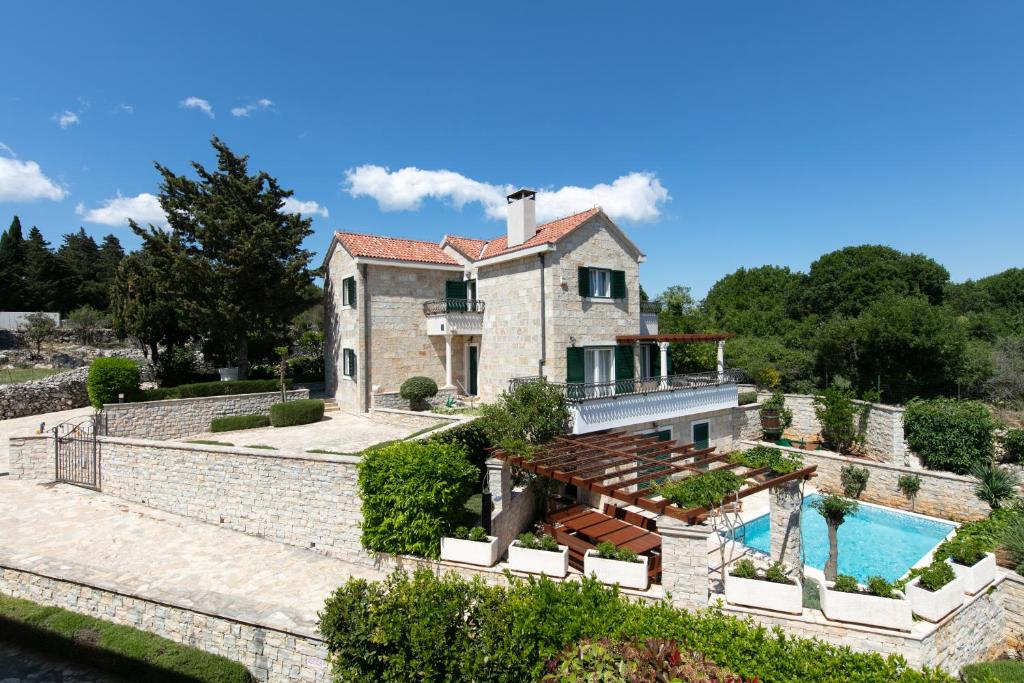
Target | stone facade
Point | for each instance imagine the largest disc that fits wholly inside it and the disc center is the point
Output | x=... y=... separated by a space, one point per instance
x=684 y=561
x=784 y=520
x=721 y=428
x=942 y=494
x=32 y=457
x=57 y=392
x=179 y=418
x=271 y=655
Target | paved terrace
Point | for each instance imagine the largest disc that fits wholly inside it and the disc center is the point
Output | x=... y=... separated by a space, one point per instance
x=75 y=534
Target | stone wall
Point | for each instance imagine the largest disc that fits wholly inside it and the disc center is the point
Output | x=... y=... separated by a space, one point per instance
x=178 y=418
x=942 y=494
x=62 y=391
x=271 y=655
x=343 y=330
x=31 y=457
x=684 y=562
x=393 y=399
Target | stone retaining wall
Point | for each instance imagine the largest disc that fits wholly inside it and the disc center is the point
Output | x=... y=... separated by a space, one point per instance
x=271 y=655
x=31 y=457
x=942 y=494
x=62 y=391
x=178 y=418
x=393 y=399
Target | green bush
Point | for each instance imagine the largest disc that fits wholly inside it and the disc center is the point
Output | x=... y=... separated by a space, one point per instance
x=909 y=484
x=936 y=575
x=999 y=671
x=705 y=490
x=121 y=650
x=472 y=436
x=109 y=377
x=1013 y=445
x=230 y=423
x=476 y=534
x=532 y=411
x=996 y=484
x=776 y=573
x=846 y=584
x=879 y=587
x=606 y=550
x=744 y=569
x=418 y=389
x=301 y=412
x=426 y=627
x=531 y=541
x=966 y=551
x=413 y=493
x=618 y=662
x=203 y=389
x=777 y=461
x=838 y=415
x=854 y=480
x=745 y=398
x=948 y=434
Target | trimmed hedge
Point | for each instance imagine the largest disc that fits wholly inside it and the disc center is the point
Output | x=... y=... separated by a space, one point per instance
x=429 y=628
x=109 y=377
x=203 y=389
x=136 y=655
x=999 y=671
x=291 y=413
x=416 y=389
x=231 y=423
x=413 y=493
x=949 y=434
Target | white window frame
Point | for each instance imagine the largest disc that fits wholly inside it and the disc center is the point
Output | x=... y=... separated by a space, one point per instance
x=346 y=365
x=597 y=276
x=590 y=371
x=345 y=292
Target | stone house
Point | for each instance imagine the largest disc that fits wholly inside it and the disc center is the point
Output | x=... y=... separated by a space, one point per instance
x=559 y=300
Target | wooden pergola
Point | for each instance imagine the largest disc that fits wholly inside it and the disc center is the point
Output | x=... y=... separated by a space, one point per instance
x=612 y=462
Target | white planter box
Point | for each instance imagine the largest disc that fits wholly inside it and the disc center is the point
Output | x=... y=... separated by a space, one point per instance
x=976 y=577
x=934 y=606
x=546 y=562
x=470 y=552
x=870 y=610
x=626 y=574
x=779 y=597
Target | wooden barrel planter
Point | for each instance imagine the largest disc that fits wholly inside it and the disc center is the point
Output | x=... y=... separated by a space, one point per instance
x=771 y=424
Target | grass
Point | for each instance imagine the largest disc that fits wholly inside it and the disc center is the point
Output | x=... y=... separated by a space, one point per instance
x=263 y=446
x=1003 y=670
x=210 y=442
x=122 y=650
x=19 y=375
x=326 y=451
x=441 y=410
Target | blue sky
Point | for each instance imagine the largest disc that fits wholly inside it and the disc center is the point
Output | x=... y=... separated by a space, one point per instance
x=740 y=133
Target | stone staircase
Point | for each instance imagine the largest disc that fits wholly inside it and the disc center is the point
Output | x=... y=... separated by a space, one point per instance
x=330 y=406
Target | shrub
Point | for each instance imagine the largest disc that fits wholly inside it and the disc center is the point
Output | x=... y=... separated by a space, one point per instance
x=854 y=480
x=837 y=414
x=472 y=436
x=999 y=671
x=231 y=423
x=909 y=484
x=879 y=587
x=532 y=411
x=203 y=389
x=745 y=398
x=538 y=542
x=413 y=493
x=757 y=457
x=476 y=534
x=1013 y=445
x=988 y=533
x=966 y=551
x=109 y=377
x=606 y=550
x=948 y=434
x=936 y=575
x=996 y=484
x=744 y=569
x=1012 y=539
x=776 y=573
x=846 y=584
x=650 y=660
x=425 y=627
x=417 y=389
x=704 y=490
x=301 y=412
x=777 y=401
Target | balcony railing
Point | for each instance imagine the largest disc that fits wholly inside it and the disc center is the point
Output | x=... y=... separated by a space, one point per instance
x=577 y=392
x=650 y=307
x=442 y=306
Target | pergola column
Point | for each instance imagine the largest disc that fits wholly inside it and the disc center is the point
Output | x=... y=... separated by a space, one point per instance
x=663 y=348
x=448 y=359
x=684 y=561
x=720 y=365
x=499 y=483
x=784 y=520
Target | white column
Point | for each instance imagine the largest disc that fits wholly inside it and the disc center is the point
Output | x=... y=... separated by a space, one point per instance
x=448 y=360
x=663 y=347
x=721 y=360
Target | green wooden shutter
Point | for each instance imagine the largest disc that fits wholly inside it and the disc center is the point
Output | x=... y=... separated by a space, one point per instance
x=355 y=372
x=575 y=365
x=624 y=369
x=584 y=277
x=618 y=284
x=668 y=357
x=455 y=289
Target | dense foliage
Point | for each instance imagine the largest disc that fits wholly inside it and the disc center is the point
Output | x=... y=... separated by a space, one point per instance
x=936 y=575
x=704 y=490
x=854 y=480
x=774 y=459
x=201 y=389
x=995 y=484
x=532 y=411
x=650 y=661
x=444 y=628
x=1013 y=445
x=948 y=434
x=838 y=415
x=230 y=423
x=413 y=493
x=301 y=412
x=109 y=377
x=416 y=389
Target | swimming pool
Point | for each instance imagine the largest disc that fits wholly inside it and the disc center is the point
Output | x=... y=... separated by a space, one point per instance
x=874 y=542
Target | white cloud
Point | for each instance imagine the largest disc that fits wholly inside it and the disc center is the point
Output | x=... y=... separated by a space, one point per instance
x=310 y=208
x=24 y=181
x=143 y=208
x=262 y=103
x=198 y=103
x=68 y=118
x=633 y=197
x=124 y=108
x=4 y=149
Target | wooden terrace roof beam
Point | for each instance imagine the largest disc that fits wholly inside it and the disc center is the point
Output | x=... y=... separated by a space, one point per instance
x=689 y=338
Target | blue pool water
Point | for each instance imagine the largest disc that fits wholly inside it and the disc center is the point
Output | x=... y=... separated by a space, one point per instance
x=874 y=542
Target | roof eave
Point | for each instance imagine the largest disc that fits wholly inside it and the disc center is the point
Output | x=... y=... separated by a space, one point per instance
x=517 y=254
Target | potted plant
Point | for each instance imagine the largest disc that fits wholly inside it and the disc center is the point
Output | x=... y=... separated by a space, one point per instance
x=971 y=564
x=470 y=546
x=775 y=416
x=879 y=604
x=772 y=590
x=538 y=554
x=936 y=591
x=616 y=565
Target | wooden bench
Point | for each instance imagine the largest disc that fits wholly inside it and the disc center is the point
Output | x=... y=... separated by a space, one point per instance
x=577 y=546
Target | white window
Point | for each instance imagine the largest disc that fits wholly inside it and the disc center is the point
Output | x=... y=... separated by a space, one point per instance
x=600 y=283
x=599 y=366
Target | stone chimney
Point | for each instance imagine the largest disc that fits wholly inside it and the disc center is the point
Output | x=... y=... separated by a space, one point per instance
x=522 y=216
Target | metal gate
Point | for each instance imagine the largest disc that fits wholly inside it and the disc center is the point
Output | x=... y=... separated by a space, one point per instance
x=78 y=452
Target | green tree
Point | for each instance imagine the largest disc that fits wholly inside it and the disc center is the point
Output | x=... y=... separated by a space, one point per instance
x=85 y=321
x=680 y=314
x=37 y=328
x=992 y=306
x=12 y=273
x=232 y=222
x=834 y=509
x=1006 y=383
x=753 y=302
x=42 y=273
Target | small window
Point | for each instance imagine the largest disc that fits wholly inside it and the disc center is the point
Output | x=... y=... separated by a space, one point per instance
x=348 y=292
x=600 y=283
x=348 y=362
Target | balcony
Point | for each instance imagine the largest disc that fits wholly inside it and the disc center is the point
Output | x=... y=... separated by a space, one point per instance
x=649 y=311
x=454 y=316
x=621 y=403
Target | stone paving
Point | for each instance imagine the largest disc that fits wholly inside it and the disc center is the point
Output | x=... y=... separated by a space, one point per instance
x=30 y=425
x=72 y=533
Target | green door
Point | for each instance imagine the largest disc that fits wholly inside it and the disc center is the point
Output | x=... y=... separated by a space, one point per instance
x=473 y=353
x=455 y=295
x=701 y=435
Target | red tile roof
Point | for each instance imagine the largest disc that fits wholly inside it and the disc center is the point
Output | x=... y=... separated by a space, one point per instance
x=548 y=233
x=470 y=247
x=376 y=246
